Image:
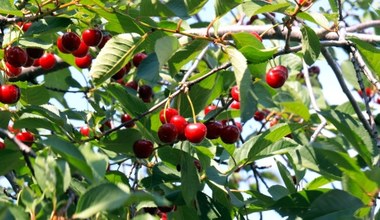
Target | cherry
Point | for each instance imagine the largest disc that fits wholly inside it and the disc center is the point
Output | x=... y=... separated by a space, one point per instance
x=143 y=148
x=209 y=109
x=70 y=41
x=213 y=129
x=151 y=210
x=138 y=58
x=230 y=134
x=167 y=114
x=281 y=68
x=106 y=126
x=120 y=73
x=128 y=67
x=195 y=132
x=255 y=34
x=125 y=118
x=29 y=63
x=9 y=94
x=26 y=137
x=11 y=129
x=81 y=51
x=132 y=84
x=259 y=115
x=60 y=46
x=47 y=61
x=235 y=105
x=36 y=63
x=167 y=133
x=104 y=41
x=34 y=52
x=2 y=145
x=92 y=37
x=235 y=93
x=180 y=123
x=145 y=93
x=238 y=125
x=16 y=56
x=378 y=100
x=314 y=70
x=12 y=71
x=198 y=165
x=166 y=209
x=276 y=77
x=83 y=62
x=24 y=25
x=85 y=130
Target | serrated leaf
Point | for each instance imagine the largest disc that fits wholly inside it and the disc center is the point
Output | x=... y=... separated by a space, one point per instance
x=114 y=55
x=310 y=45
x=255 y=55
x=190 y=183
x=149 y=69
x=165 y=47
x=223 y=6
x=297 y=108
x=34 y=42
x=48 y=25
x=251 y=8
x=370 y=54
x=286 y=177
x=117 y=142
x=349 y=73
x=317 y=18
x=34 y=94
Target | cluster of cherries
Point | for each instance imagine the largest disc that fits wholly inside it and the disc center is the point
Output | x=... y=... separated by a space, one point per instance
x=25 y=137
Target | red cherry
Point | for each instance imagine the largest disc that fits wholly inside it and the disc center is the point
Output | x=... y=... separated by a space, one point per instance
x=2 y=145
x=25 y=25
x=195 y=132
x=47 y=61
x=120 y=74
x=213 y=129
x=314 y=70
x=60 y=46
x=9 y=94
x=92 y=37
x=26 y=137
x=281 y=68
x=209 y=109
x=167 y=133
x=81 y=51
x=70 y=41
x=368 y=91
x=83 y=62
x=85 y=130
x=230 y=134
x=16 y=56
x=305 y=3
x=12 y=130
x=255 y=34
x=35 y=52
x=104 y=41
x=125 y=118
x=167 y=114
x=132 y=84
x=235 y=105
x=259 y=115
x=238 y=125
x=106 y=126
x=128 y=67
x=145 y=92
x=143 y=148
x=180 y=123
x=12 y=71
x=138 y=58
x=235 y=93
x=36 y=63
x=276 y=77
x=378 y=100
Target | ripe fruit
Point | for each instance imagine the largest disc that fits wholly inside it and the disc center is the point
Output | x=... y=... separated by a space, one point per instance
x=143 y=148
x=167 y=114
x=167 y=133
x=235 y=105
x=104 y=41
x=119 y=74
x=106 y=126
x=83 y=62
x=2 y=145
x=230 y=134
x=314 y=70
x=12 y=71
x=195 y=132
x=26 y=137
x=235 y=93
x=24 y=25
x=70 y=41
x=209 y=109
x=276 y=77
x=125 y=118
x=259 y=115
x=11 y=129
x=85 y=130
x=29 y=62
x=138 y=58
x=213 y=129
x=180 y=123
x=35 y=52
x=9 y=94
x=145 y=93
x=16 y=56
x=92 y=37
x=132 y=84
x=81 y=51
x=60 y=46
x=368 y=91
x=47 y=61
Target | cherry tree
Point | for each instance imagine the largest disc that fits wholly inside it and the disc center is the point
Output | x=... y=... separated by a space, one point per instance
x=179 y=107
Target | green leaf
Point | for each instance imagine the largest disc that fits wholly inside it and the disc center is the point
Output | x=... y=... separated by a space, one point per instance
x=371 y=54
x=297 y=108
x=34 y=94
x=97 y=161
x=190 y=183
x=45 y=167
x=251 y=8
x=165 y=47
x=154 y=8
x=255 y=55
x=194 y=6
x=12 y=212
x=70 y=153
x=48 y=25
x=114 y=55
x=310 y=45
x=318 y=182
x=117 y=142
x=10 y=159
x=349 y=73
x=316 y=18
x=286 y=177
x=4 y=119
x=103 y=197
x=149 y=69
x=34 y=42
x=35 y=121
x=356 y=134
x=224 y=6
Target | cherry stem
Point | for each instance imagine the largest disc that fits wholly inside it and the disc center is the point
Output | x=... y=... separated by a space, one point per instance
x=191 y=106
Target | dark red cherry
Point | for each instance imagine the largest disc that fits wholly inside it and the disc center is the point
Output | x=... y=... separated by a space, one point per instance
x=143 y=148
x=35 y=52
x=12 y=71
x=132 y=84
x=230 y=134
x=70 y=41
x=92 y=37
x=125 y=118
x=145 y=93
x=60 y=46
x=138 y=58
x=214 y=129
x=259 y=115
x=167 y=133
x=104 y=41
x=16 y=56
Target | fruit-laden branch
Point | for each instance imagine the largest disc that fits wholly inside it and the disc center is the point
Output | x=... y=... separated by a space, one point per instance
x=295 y=35
x=23 y=147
